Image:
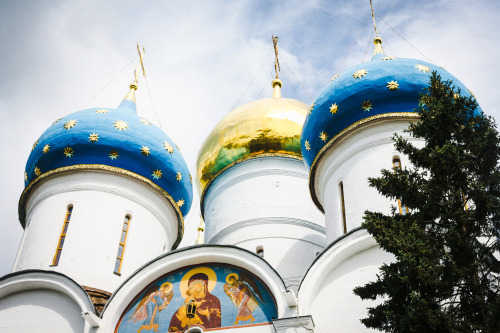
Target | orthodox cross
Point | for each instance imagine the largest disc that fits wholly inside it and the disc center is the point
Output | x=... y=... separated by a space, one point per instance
x=276 y=62
x=141 y=55
x=373 y=17
x=139 y=66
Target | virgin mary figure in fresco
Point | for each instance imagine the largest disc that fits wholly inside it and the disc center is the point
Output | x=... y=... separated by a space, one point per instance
x=245 y=295
x=208 y=311
x=155 y=300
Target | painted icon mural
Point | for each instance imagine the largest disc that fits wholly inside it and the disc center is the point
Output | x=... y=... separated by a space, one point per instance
x=223 y=296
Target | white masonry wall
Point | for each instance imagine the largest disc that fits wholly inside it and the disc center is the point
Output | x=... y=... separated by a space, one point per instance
x=265 y=202
x=356 y=157
x=326 y=293
x=100 y=202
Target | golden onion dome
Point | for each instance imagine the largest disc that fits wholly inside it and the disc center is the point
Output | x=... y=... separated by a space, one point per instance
x=265 y=127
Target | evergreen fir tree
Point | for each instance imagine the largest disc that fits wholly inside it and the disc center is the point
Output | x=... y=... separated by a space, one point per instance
x=445 y=277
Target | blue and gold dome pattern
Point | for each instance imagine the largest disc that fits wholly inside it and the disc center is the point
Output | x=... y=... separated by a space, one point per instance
x=115 y=140
x=384 y=87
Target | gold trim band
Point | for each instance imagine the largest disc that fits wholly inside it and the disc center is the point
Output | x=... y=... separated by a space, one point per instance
x=100 y=167
x=241 y=160
x=336 y=138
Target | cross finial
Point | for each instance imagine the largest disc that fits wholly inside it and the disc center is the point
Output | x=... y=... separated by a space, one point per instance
x=373 y=17
x=133 y=86
x=138 y=67
x=276 y=62
x=141 y=55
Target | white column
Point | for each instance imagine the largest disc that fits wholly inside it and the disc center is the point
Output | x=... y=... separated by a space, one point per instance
x=264 y=204
x=359 y=155
x=100 y=201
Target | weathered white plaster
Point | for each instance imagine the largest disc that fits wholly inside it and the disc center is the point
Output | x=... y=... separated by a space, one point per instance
x=100 y=202
x=264 y=202
x=356 y=157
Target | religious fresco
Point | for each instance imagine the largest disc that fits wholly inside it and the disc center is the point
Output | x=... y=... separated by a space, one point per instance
x=224 y=296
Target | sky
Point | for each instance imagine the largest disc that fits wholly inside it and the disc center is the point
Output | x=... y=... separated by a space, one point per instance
x=205 y=58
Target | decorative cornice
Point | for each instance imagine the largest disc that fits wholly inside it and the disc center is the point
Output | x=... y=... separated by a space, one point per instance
x=241 y=160
x=263 y=221
x=333 y=141
x=106 y=168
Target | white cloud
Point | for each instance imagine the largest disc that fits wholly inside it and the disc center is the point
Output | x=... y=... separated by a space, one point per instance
x=201 y=57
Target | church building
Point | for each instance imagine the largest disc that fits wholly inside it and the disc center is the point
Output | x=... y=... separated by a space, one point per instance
x=283 y=189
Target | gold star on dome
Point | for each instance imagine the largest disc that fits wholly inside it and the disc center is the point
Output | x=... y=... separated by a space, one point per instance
x=323 y=136
x=93 y=137
x=359 y=73
x=70 y=124
x=37 y=171
x=145 y=151
x=388 y=58
x=25 y=176
x=113 y=154
x=178 y=176
x=334 y=108
x=68 y=151
x=46 y=149
x=34 y=145
x=310 y=108
x=157 y=174
x=334 y=77
x=423 y=68
x=101 y=111
x=145 y=122
x=168 y=147
x=56 y=121
x=307 y=145
x=393 y=85
x=180 y=203
x=366 y=106
x=121 y=125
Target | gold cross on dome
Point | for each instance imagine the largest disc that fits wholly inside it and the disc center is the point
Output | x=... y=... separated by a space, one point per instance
x=276 y=62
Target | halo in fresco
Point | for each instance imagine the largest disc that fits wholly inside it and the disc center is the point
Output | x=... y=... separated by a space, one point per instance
x=225 y=296
x=212 y=279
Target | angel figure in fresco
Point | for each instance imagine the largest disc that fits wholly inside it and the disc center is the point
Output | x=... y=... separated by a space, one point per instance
x=155 y=300
x=208 y=309
x=245 y=295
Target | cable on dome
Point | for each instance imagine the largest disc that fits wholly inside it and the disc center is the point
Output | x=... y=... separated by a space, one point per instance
x=296 y=79
x=264 y=63
x=404 y=38
x=341 y=66
x=153 y=103
x=265 y=88
x=294 y=91
x=107 y=84
x=386 y=42
x=367 y=46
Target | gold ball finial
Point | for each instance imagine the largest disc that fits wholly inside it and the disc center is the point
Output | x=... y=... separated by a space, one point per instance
x=276 y=82
x=377 y=40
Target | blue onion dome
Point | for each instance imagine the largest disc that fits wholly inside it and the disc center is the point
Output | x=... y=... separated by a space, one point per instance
x=385 y=87
x=115 y=140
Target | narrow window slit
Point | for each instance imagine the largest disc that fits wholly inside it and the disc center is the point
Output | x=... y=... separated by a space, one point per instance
x=121 y=245
x=342 y=203
x=396 y=163
x=62 y=236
